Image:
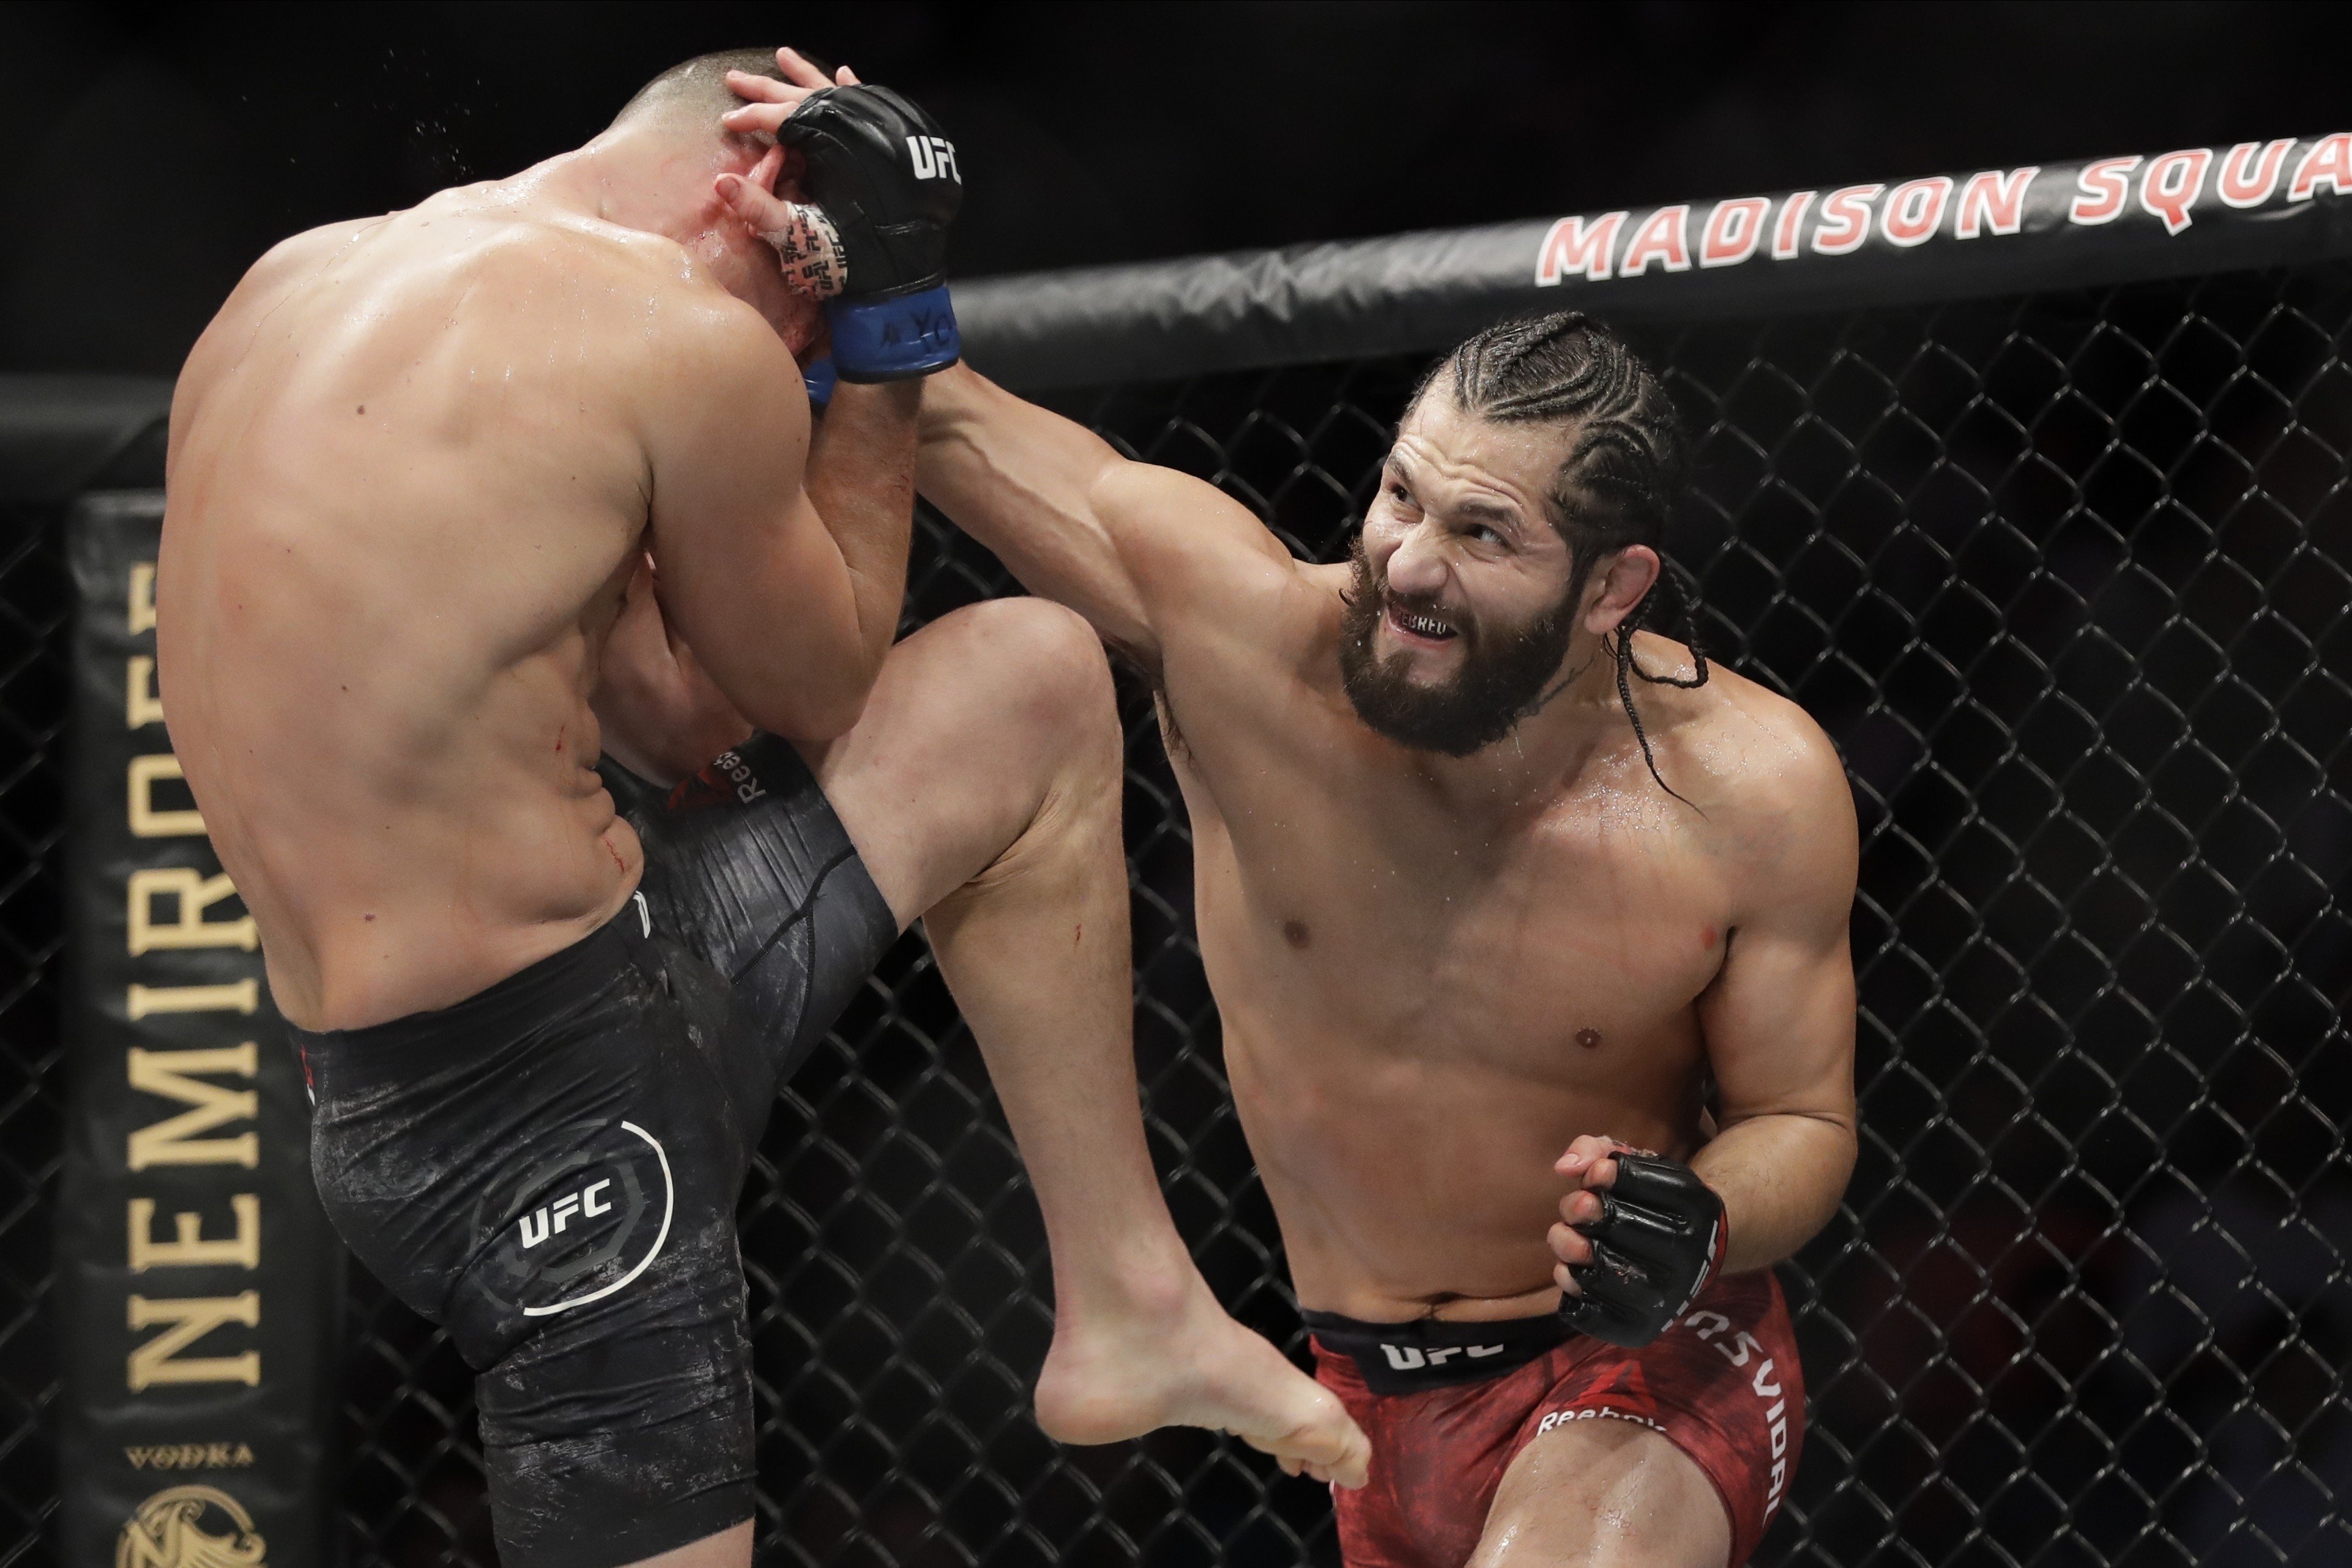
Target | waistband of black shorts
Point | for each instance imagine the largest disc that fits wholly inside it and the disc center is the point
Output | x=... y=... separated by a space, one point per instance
x=1405 y=1358
x=402 y=1048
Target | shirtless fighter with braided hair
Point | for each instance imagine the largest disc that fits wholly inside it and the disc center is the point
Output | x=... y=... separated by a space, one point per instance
x=1485 y=873
x=1456 y=927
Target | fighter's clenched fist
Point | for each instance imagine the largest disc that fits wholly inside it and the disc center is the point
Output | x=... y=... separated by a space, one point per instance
x=1637 y=1242
x=883 y=187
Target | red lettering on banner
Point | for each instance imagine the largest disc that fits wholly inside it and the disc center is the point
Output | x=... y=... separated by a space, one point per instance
x=2104 y=186
x=1784 y=232
x=2172 y=183
x=1663 y=237
x=1912 y=210
x=1570 y=247
x=1845 y=219
x=2246 y=182
x=1994 y=202
x=1732 y=232
x=2330 y=159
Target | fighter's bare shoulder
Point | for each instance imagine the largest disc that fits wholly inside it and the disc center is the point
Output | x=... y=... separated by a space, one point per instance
x=1182 y=529
x=280 y=268
x=661 y=298
x=1762 y=768
x=655 y=322
x=1201 y=561
x=297 y=253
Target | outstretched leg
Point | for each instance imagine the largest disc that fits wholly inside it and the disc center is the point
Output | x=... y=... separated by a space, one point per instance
x=981 y=788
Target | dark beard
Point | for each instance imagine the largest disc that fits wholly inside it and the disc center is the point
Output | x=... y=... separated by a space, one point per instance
x=1501 y=680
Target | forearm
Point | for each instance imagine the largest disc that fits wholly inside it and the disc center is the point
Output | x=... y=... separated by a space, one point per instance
x=861 y=480
x=1012 y=475
x=663 y=727
x=1024 y=481
x=657 y=713
x=1780 y=1178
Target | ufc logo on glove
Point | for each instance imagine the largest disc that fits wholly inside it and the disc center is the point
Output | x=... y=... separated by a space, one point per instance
x=933 y=157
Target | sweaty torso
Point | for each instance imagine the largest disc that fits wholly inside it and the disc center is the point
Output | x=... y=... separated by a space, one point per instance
x=404 y=492
x=1424 y=1005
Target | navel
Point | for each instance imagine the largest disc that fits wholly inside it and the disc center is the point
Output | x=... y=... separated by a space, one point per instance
x=1589 y=1037
x=1295 y=932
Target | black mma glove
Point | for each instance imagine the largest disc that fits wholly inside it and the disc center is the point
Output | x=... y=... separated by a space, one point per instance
x=884 y=187
x=1659 y=1238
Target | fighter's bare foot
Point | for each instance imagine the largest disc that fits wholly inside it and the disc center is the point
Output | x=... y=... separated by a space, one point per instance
x=1184 y=1363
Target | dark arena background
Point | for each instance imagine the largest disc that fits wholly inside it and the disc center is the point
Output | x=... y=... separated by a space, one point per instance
x=2023 y=419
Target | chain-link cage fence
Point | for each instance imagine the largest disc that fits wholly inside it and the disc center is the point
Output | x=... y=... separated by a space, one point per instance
x=36 y=600
x=2066 y=578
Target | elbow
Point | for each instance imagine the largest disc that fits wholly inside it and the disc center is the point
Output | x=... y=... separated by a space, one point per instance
x=1849 y=1155
x=812 y=723
x=1843 y=1152
x=811 y=690
x=1841 y=1141
x=815 y=714
x=838 y=715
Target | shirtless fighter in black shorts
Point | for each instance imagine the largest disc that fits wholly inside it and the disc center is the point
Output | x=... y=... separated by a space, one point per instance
x=461 y=499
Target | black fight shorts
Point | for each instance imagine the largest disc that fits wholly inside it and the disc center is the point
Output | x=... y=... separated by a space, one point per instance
x=550 y=1169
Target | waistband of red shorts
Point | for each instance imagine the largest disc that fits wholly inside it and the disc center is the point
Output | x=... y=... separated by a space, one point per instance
x=1405 y=1358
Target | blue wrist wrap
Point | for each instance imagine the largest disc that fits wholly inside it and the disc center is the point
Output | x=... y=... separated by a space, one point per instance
x=894 y=339
x=817 y=375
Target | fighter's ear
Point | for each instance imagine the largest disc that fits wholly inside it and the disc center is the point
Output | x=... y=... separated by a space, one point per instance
x=1619 y=581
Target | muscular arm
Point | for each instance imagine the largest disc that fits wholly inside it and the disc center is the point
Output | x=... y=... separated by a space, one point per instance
x=1778 y=1022
x=861 y=480
x=782 y=564
x=660 y=715
x=1127 y=545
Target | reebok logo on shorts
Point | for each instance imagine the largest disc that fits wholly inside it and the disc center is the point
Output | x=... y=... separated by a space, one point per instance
x=725 y=778
x=574 y=1227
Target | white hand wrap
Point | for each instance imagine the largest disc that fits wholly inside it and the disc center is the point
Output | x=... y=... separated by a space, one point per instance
x=811 y=248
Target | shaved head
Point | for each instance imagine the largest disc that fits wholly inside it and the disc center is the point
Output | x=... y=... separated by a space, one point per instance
x=692 y=94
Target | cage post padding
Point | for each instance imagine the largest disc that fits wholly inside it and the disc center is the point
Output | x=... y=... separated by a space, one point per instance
x=199 y=1285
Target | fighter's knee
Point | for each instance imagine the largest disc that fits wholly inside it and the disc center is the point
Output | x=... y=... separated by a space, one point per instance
x=1054 y=638
x=1049 y=664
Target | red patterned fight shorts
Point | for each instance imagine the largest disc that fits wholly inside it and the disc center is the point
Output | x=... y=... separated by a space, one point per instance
x=1723 y=1385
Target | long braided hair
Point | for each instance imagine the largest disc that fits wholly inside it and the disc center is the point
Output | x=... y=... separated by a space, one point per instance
x=1619 y=478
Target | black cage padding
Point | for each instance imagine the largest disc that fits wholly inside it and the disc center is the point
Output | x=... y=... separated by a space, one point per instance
x=1970 y=233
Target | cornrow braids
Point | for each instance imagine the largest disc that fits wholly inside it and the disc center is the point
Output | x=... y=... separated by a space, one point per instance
x=1621 y=652
x=1618 y=483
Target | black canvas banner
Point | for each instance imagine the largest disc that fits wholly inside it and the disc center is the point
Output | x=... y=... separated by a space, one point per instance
x=198 y=1285
x=1974 y=232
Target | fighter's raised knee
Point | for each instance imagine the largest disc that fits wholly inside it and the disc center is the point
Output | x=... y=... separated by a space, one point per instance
x=1037 y=664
